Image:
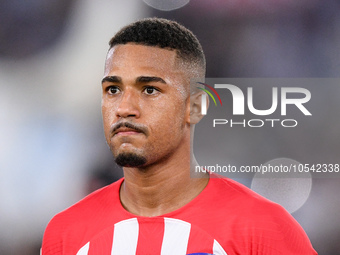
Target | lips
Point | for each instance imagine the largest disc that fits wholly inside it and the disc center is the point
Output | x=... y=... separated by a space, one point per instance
x=128 y=128
x=125 y=131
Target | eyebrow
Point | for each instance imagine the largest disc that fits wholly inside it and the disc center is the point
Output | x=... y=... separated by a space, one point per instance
x=147 y=79
x=114 y=79
x=140 y=79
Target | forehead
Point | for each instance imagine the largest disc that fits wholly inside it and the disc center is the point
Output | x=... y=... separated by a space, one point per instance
x=131 y=57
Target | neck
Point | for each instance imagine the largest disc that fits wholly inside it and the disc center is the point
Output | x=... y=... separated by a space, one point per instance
x=162 y=187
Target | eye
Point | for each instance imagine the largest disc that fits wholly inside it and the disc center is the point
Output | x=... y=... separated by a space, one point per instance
x=113 y=90
x=150 y=90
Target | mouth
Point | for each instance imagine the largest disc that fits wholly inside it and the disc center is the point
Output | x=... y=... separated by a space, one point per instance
x=127 y=129
x=124 y=131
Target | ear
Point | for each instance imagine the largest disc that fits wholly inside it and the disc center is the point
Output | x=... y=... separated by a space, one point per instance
x=195 y=107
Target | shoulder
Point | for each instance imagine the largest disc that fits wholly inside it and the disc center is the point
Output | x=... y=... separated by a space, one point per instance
x=259 y=222
x=236 y=194
x=95 y=202
x=240 y=202
x=79 y=218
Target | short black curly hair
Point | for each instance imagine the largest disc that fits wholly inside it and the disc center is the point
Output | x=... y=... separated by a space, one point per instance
x=166 y=34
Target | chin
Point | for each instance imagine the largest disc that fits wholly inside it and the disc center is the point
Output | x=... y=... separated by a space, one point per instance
x=129 y=159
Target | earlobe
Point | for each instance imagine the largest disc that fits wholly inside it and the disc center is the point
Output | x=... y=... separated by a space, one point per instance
x=195 y=106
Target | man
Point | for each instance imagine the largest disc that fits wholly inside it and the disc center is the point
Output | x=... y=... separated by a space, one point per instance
x=160 y=206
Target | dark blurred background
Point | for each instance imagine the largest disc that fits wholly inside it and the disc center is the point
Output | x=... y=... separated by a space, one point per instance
x=52 y=147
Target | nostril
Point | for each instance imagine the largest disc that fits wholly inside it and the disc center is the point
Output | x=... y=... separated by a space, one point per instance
x=128 y=108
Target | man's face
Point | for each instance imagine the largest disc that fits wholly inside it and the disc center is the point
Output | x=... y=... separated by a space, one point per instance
x=145 y=104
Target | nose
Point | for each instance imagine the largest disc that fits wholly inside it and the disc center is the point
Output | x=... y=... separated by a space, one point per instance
x=128 y=105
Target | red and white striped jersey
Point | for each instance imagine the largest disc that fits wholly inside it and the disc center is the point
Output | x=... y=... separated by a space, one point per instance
x=166 y=236
x=226 y=218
